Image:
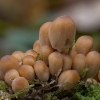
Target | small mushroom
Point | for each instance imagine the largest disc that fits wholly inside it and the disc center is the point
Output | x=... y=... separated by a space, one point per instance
x=62 y=33
x=31 y=52
x=67 y=62
x=79 y=62
x=84 y=44
x=19 y=55
x=19 y=84
x=27 y=72
x=92 y=63
x=45 y=52
x=90 y=80
x=55 y=62
x=29 y=60
x=41 y=70
x=43 y=34
x=36 y=46
x=68 y=79
x=10 y=76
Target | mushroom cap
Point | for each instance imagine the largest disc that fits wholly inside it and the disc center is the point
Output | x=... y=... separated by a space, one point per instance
x=6 y=63
x=19 y=55
x=90 y=80
x=27 y=72
x=36 y=46
x=62 y=33
x=79 y=62
x=31 y=52
x=29 y=60
x=55 y=62
x=19 y=84
x=43 y=34
x=84 y=44
x=67 y=62
x=10 y=76
x=70 y=77
x=92 y=63
x=45 y=52
x=41 y=70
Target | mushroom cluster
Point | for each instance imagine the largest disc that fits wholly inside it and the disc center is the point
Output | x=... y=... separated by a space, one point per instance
x=55 y=55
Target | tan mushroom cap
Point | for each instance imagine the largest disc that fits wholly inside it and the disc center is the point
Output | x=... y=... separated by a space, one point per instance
x=62 y=33
x=92 y=63
x=29 y=60
x=41 y=70
x=6 y=63
x=84 y=44
x=45 y=52
x=36 y=46
x=10 y=76
x=67 y=62
x=31 y=52
x=68 y=79
x=27 y=72
x=55 y=62
x=19 y=84
x=43 y=34
x=19 y=55
x=79 y=62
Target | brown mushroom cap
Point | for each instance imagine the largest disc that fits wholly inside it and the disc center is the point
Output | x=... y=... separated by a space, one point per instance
x=62 y=33
x=19 y=55
x=84 y=44
x=6 y=63
x=92 y=63
x=27 y=72
x=70 y=77
x=55 y=62
x=67 y=62
x=10 y=76
x=19 y=84
x=43 y=34
x=36 y=46
x=79 y=62
x=45 y=52
x=29 y=60
x=89 y=80
x=31 y=52
x=73 y=52
x=41 y=70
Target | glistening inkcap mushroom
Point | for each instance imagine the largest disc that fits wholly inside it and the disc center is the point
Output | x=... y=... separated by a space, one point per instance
x=62 y=33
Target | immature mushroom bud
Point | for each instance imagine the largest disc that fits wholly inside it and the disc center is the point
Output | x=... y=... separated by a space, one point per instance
x=90 y=80
x=43 y=34
x=84 y=44
x=68 y=79
x=29 y=60
x=79 y=62
x=55 y=62
x=19 y=84
x=67 y=62
x=62 y=33
x=31 y=52
x=10 y=76
x=36 y=46
x=18 y=55
x=92 y=63
x=41 y=70
x=45 y=52
x=27 y=72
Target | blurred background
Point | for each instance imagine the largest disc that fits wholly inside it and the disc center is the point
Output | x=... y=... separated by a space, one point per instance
x=20 y=20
